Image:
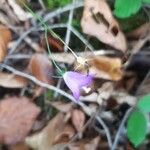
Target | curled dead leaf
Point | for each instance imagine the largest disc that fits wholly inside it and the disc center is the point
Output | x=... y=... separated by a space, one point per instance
x=17 y=115
x=12 y=81
x=55 y=44
x=98 y=21
x=5 y=37
x=104 y=67
x=64 y=136
x=41 y=67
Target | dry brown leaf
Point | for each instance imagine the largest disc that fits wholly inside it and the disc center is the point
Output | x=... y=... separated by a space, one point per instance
x=4 y=19
x=85 y=144
x=124 y=97
x=5 y=37
x=53 y=136
x=99 y=22
x=12 y=81
x=104 y=67
x=78 y=119
x=19 y=12
x=139 y=32
x=19 y=146
x=55 y=44
x=41 y=67
x=4 y=6
x=61 y=106
x=17 y=115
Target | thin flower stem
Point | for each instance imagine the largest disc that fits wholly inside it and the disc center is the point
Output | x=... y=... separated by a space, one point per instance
x=46 y=27
x=60 y=71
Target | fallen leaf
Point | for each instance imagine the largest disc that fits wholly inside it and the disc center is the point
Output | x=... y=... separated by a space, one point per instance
x=17 y=115
x=98 y=21
x=78 y=119
x=4 y=6
x=53 y=136
x=85 y=144
x=4 y=19
x=107 y=68
x=124 y=97
x=41 y=67
x=61 y=106
x=55 y=44
x=5 y=37
x=19 y=12
x=104 y=67
x=19 y=146
x=12 y=81
x=139 y=32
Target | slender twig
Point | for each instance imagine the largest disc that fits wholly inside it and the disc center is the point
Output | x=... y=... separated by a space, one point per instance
x=128 y=112
x=58 y=86
x=38 y=82
x=25 y=34
x=67 y=40
x=89 y=112
x=46 y=27
x=68 y=33
x=18 y=56
x=137 y=47
x=143 y=82
x=107 y=132
x=80 y=36
x=42 y=4
x=59 y=11
x=21 y=38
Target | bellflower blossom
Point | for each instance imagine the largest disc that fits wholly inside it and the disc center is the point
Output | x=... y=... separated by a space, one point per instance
x=76 y=81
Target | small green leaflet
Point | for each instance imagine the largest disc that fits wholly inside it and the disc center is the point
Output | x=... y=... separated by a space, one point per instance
x=126 y=8
x=144 y=104
x=136 y=127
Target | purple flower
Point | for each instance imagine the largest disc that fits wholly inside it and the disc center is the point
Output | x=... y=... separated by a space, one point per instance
x=76 y=81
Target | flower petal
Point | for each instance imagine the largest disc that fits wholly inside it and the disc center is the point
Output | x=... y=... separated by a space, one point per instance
x=75 y=81
x=80 y=79
x=76 y=93
x=73 y=87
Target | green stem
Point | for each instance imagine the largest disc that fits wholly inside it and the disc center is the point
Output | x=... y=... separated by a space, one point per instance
x=49 y=51
x=46 y=27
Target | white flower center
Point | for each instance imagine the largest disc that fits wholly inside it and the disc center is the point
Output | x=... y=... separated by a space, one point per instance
x=86 y=89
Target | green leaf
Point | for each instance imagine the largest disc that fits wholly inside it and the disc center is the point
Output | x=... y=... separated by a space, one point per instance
x=144 y=104
x=136 y=127
x=146 y=1
x=126 y=8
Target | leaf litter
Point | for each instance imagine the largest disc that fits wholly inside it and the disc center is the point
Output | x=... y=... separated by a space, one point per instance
x=119 y=66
